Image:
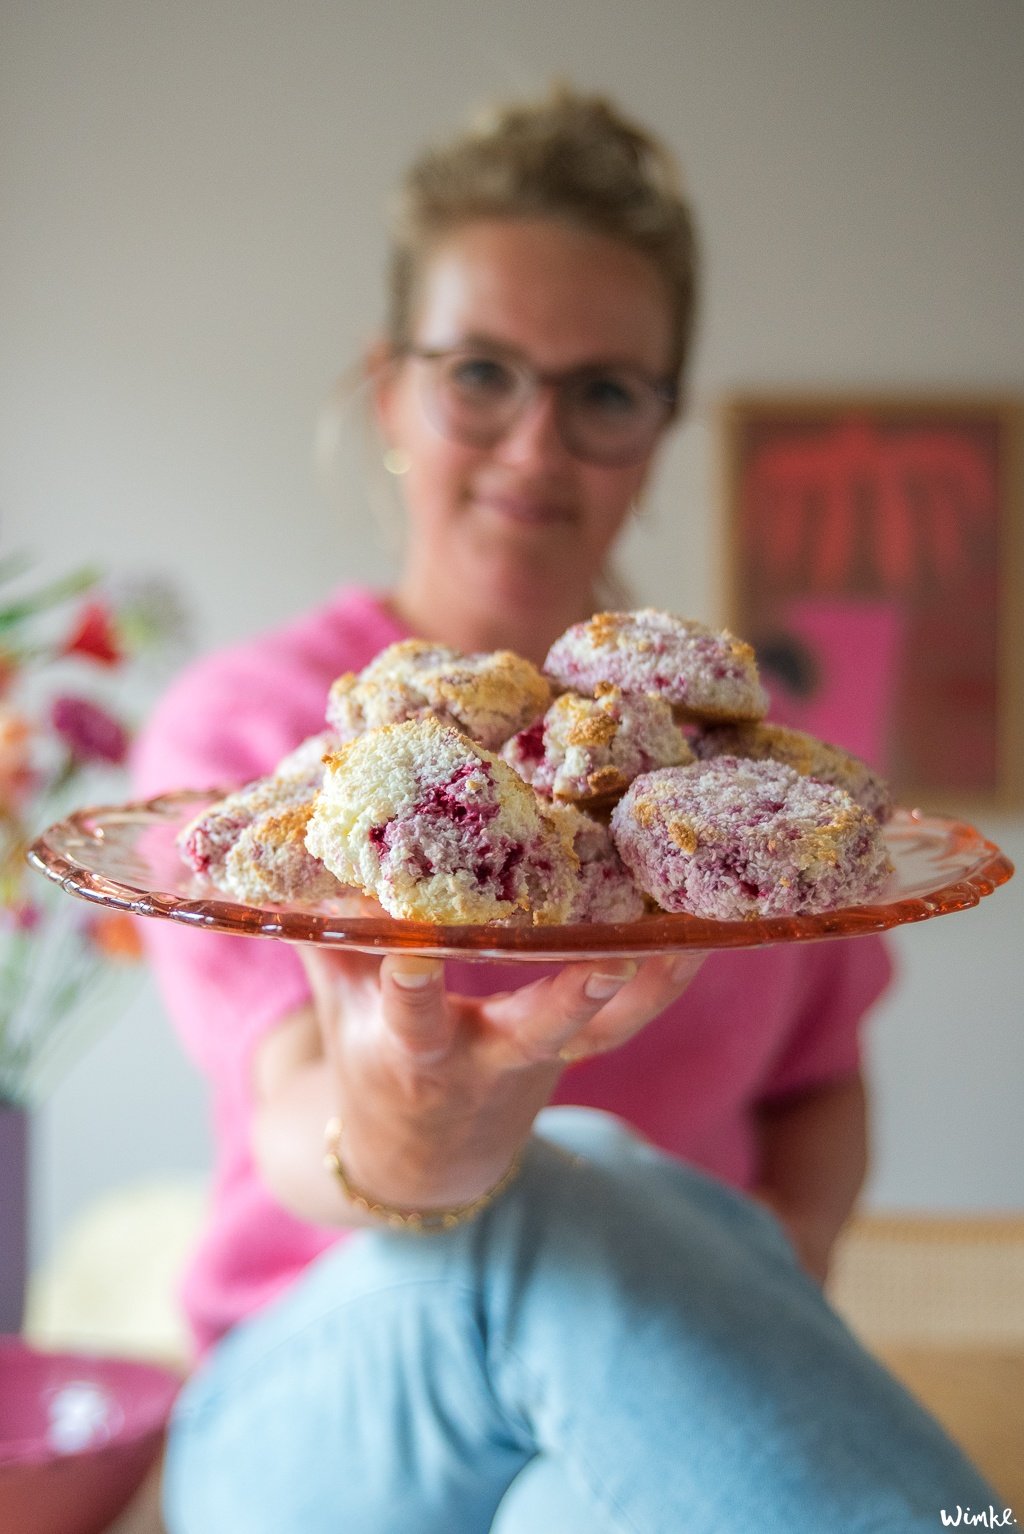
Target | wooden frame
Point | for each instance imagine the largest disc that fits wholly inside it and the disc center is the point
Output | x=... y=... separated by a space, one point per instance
x=873 y=557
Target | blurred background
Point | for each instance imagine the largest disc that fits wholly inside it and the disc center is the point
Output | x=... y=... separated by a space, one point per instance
x=192 y=204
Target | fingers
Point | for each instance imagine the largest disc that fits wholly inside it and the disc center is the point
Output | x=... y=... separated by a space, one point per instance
x=328 y=968
x=344 y=985
x=415 y=1009
x=589 y=1008
x=657 y=984
x=538 y=1021
x=404 y=993
x=582 y=1010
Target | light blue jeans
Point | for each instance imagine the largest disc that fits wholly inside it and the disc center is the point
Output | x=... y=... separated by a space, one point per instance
x=635 y=1333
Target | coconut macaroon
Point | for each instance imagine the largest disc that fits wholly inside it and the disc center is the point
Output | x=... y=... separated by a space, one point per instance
x=587 y=750
x=811 y=757
x=605 y=890
x=705 y=673
x=440 y=830
x=735 y=839
x=488 y=696
x=307 y=759
x=207 y=841
x=269 y=862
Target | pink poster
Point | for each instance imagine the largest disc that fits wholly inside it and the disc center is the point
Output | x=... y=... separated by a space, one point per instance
x=872 y=559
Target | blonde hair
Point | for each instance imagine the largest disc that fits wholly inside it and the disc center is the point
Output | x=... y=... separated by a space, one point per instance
x=569 y=157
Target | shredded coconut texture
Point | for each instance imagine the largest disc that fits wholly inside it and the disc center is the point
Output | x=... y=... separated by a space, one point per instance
x=489 y=696
x=605 y=890
x=734 y=839
x=269 y=862
x=587 y=750
x=440 y=830
x=251 y=843
x=806 y=754
x=705 y=673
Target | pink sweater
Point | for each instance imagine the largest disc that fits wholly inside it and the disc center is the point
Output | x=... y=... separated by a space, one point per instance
x=755 y=1025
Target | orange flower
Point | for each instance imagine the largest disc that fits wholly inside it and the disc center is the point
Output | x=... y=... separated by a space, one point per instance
x=8 y=671
x=15 y=762
x=115 y=934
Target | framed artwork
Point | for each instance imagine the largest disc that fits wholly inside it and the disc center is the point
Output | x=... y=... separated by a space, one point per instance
x=874 y=560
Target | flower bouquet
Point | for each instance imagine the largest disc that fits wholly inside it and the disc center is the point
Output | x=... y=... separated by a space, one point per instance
x=79 y=659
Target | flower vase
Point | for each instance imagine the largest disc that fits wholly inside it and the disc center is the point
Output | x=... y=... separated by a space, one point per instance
x=14 y=1134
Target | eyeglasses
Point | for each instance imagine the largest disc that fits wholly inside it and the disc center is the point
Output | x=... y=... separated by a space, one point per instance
x=606 y=414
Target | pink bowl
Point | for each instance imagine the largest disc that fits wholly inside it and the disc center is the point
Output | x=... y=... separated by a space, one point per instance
x=77 y=1435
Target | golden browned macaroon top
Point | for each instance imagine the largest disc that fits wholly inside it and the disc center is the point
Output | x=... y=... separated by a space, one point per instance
x=489 y=696
x=704 y=673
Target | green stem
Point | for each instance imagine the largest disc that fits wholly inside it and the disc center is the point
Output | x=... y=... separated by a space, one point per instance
x=48 y=596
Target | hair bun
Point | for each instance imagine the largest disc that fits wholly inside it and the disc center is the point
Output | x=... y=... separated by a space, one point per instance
x=568 y=155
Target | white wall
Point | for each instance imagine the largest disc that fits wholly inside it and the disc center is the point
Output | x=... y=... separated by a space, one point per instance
x=190 y=243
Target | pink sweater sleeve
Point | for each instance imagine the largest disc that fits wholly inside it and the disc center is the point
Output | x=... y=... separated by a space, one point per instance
x=227 y=719
x=222 y=992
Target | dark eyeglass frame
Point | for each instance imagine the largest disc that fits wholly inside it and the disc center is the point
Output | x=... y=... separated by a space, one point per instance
x=662 y=390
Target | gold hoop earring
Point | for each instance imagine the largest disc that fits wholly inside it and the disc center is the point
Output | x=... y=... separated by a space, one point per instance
x=397 y=460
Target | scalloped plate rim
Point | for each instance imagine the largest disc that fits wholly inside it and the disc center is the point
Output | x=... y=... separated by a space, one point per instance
x=51 y=854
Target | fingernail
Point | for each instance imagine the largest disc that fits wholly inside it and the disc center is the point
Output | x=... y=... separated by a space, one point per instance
x=601 y=987
x=685 y=966
x=416 y=979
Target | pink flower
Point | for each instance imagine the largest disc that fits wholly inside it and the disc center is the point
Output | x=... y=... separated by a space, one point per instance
x=88 y=730
x=23 y=916
x=94 y=636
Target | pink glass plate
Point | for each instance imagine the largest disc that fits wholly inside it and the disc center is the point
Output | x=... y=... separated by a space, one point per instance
x=124 y=856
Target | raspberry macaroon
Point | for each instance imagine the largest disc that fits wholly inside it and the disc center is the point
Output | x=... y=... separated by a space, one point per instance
x=605 y=891
x=734 y=839
x=269 y=862
x=807 y=755
x=207 y=841
x=307 y=759
x=705 y=673
x=587 y=750
x=488 y=696
x=440 y=830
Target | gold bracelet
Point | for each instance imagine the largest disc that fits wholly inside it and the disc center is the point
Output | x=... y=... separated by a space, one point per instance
x=421 y=1222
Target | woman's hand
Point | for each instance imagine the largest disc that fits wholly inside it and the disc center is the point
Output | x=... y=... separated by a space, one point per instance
x=437 y=1092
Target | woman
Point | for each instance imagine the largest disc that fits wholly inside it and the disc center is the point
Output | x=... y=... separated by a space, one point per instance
x=633 y=1328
